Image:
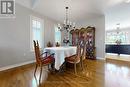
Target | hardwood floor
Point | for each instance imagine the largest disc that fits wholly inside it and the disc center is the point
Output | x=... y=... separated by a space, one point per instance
x=117 y=74
x=97 y=73
x=121 y=57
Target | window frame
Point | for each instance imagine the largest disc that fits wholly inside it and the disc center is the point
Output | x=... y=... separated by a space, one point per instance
x=55 y=34
x=114 y=34
x=31 y=32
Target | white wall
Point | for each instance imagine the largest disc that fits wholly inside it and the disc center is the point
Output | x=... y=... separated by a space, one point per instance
x=15 y=36
x=118 y=14
x=99 y=24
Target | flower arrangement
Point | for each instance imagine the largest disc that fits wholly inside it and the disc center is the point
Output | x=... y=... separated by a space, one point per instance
x=57 y=44
x=49 y=44
x=118 y=42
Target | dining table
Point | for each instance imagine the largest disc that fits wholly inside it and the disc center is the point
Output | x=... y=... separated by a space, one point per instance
x=60 y=53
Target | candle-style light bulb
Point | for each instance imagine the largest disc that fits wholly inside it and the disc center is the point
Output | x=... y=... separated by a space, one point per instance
x=73 y=24
x=64 y=22
x=70 y=23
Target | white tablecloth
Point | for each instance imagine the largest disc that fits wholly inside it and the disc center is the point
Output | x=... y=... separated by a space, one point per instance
x=61 y=53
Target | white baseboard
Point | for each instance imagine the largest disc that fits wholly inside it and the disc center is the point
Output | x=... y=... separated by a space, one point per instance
x=16 y=65
x=28 y=62
x=100 y=58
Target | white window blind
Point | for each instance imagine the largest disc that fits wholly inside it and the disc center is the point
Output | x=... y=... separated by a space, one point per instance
x=57 y=35
x=36 y=31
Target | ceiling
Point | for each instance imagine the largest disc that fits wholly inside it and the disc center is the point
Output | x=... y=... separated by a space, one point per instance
x=79 y=10
x=119 y=14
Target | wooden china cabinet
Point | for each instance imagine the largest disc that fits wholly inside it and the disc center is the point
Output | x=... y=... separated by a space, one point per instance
x=79 y=35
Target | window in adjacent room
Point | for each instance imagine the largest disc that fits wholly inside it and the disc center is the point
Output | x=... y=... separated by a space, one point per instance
x=112 y=37
x=57 y=35
x=36 y=31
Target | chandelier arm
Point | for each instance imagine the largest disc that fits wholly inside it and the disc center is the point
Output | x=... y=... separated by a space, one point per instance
x=68 y=26
x=66 y=15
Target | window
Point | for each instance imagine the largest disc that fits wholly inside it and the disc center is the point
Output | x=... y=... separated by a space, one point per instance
x=57 y=35
x=36 y=31
x=112 y=37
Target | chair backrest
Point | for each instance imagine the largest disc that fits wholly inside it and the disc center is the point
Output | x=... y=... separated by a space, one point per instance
x=84 y=50
x=79 y=51
x=84 y=46
x=37 y=51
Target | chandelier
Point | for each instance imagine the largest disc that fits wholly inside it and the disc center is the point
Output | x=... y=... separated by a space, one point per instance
x=67 y=25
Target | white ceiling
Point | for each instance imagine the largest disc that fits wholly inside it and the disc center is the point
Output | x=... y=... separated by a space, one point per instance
x=119 y=14
x=79 y=9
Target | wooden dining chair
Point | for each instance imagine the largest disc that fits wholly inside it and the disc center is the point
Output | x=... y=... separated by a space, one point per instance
x=42 y=59
x=84 y=48
x=75 y=59
x=83 y=55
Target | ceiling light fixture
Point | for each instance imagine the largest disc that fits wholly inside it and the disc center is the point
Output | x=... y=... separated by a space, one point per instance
x=68 y=25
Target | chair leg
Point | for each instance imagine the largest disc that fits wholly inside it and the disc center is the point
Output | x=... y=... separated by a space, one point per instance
x=53 y=65
x=75 y=70
x=82 y=65
x=40 y=74
x=35 y=70
x=65 y=65
x=48 y=67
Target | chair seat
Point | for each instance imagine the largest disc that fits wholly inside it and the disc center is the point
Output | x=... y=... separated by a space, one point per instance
x=72 y=59
x=46 y=60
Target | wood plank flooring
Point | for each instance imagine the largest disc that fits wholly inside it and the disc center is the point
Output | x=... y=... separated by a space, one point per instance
x=97 y=73
x=121 y=57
